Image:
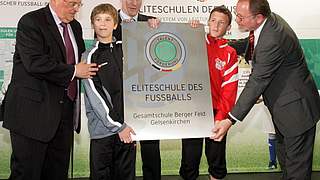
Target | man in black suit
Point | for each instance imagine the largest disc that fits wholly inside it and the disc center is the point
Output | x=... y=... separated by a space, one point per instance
x=280 y=74
x=150 y=149
x=42 y=101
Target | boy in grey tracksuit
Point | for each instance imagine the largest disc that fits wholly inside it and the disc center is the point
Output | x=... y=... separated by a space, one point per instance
x=112 y=152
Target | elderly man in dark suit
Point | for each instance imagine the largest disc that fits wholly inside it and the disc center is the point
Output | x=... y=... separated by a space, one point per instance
x=42 y=101
x=280 y=74
x=150 y=149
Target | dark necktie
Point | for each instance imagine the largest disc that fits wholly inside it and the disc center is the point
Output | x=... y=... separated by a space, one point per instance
x=251 y=46
x=72 y=88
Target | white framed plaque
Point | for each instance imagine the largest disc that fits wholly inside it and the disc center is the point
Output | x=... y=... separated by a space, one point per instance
x=167 y=91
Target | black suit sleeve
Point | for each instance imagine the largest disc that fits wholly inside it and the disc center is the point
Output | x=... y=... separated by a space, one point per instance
x=2 y=109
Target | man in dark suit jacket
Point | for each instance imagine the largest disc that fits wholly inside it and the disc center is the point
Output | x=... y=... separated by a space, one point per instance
x=150 y=149
x=38 y=111
x=281 y=75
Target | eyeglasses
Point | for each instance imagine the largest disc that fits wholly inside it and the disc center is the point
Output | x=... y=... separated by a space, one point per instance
x=242 y=17
x=74 y=4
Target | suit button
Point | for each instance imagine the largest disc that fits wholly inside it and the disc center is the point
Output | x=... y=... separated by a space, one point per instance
x=61 y=102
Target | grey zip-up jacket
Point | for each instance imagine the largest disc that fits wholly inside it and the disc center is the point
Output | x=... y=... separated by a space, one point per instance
x=103 y=93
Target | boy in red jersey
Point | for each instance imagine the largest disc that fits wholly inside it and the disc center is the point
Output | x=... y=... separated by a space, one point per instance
x=223 y=68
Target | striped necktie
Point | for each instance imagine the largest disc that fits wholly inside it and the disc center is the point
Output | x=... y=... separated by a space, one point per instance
x=251 y=45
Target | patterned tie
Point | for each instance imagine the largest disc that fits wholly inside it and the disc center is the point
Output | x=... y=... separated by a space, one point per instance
x=72 y=88
x=129 y=20
x=251 y=45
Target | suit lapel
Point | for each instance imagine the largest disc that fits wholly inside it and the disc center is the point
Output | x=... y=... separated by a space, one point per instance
x=57 y=36
x=262 y=35
x=77 y=35
x=55 y=31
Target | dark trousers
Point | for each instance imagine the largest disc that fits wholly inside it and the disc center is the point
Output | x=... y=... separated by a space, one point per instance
x=110 y=159
x=151 y=160
x=295 y=155
x=191 y=157
x=35 y=160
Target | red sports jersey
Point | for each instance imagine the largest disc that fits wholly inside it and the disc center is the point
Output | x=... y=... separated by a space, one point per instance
x=223 y=68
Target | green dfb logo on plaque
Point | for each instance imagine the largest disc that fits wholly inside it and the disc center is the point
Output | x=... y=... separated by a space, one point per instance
x=165 y=52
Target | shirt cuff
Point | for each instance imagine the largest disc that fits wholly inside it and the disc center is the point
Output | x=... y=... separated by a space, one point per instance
x=74 y=73
x=232 y=118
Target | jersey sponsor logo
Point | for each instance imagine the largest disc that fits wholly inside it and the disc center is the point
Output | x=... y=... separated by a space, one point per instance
x=220 y=64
